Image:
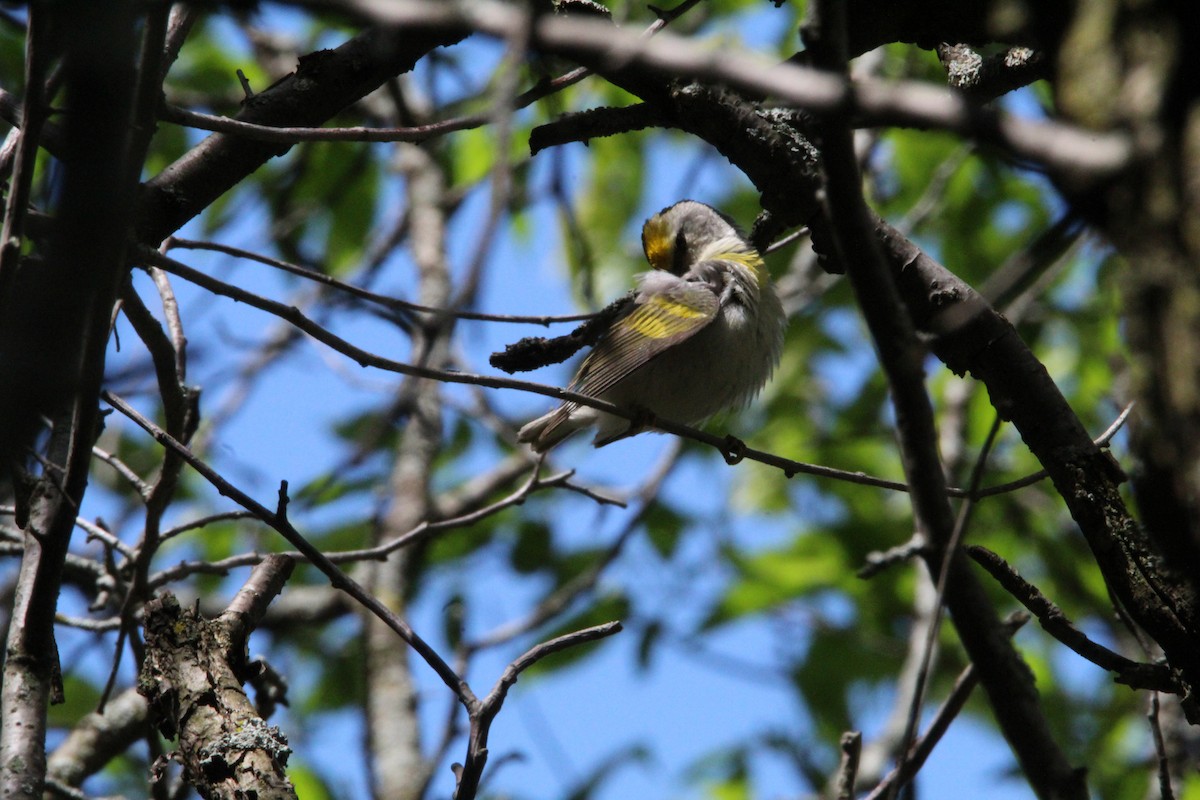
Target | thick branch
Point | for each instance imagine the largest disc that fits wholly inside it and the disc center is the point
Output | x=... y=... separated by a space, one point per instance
x=325 y=82
x=1008 y=684
x=99 y=738
x=969 y=336
x=1141 y=676
x=54 y=316
x=647 y=66
x=190 y=678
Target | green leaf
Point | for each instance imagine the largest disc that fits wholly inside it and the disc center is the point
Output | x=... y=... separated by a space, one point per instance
x=648 y=638
x=82 y=698
x=773 y=578
x=307 y=783
x=533 y=550
x=664 y=526
x=473 y=154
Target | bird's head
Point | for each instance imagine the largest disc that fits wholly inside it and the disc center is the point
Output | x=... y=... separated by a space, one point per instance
x=687 y=233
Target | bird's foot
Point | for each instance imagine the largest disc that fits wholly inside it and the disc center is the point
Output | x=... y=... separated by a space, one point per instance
x=733 y=449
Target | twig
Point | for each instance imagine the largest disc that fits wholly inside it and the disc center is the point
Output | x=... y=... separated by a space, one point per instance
x=1102 y=440
x=419 y=533
x=1160 y=751
x=59 y=789
x=877 y=562
x=278 y=520
x=784 y=241
x=564 y=595
x=95 y=531
x=949 y=553
x=205 y=521
x=107 y=625
x=483 y=712
x=170 y=307
x=392 y=303
x=124 y=470
x=848 y=770
x=416 y=133
x=1140 y=676
x=901 y=774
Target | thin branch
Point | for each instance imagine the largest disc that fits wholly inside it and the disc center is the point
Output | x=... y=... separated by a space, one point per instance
x=562 y=597
x=278 y=520
x=170 y=307
x=107 y=625
x=1103 y=440
x=419 y=533
x=873 y=102
x=878 y=561
x=784 y=241
x=205 y=521
x=942 y=577
x=416 y=133
x=100 y=534
x=1157 y=677
x=946 y=713
x=484 y=712
x=391 y=303
x=848 y=770
x=1165 y=792
x=124 y=470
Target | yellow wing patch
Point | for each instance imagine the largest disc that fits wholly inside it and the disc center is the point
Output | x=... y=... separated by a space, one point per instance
x=752 y=260
x=661 y=317
x=659 y=322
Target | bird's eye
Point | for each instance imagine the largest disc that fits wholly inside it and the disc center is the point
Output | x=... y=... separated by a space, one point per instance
x=679 y=255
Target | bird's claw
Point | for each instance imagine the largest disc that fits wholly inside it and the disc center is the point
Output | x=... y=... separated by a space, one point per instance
x=733 y=450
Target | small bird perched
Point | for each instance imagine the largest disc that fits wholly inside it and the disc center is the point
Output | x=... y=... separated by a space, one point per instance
x=703 y=333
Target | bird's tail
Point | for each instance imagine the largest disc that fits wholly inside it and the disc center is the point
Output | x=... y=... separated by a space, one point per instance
x=546 y=431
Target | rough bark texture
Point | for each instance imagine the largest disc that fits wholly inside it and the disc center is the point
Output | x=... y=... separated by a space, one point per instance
x=324 y=83
x=1133 y=66
x=189 y=677
x=972 y=337
x=54 y=313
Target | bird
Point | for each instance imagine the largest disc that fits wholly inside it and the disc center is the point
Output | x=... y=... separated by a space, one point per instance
x=703 y=334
